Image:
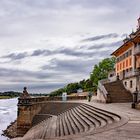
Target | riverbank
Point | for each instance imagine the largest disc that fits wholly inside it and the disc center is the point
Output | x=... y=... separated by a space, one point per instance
x=11 y=130
x=5 y=97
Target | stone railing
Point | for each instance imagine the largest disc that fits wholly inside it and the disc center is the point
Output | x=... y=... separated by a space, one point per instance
x=28 y=101
x=104 y=81
x=137 y=49
x=136 y=72
x=102 y=91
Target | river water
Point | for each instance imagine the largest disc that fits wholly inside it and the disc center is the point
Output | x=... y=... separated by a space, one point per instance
x=8 y=113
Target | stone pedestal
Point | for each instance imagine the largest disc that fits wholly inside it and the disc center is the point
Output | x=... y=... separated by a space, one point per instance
x=24 y=119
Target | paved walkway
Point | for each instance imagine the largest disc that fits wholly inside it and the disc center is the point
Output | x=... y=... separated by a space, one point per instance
x=128 y=131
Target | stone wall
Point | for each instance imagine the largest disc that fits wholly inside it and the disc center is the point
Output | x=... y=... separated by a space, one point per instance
x=26 y=113
x=127 y=84
x=29 y=107
x=100 y=97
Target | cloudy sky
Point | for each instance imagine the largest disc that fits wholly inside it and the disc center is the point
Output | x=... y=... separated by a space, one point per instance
x=46 y=44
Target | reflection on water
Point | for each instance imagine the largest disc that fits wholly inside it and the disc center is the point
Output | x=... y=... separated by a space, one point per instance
x=8 y=113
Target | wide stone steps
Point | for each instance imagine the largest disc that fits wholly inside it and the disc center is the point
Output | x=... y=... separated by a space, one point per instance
x=113 y=116
x=117 y=92
x=79 y=119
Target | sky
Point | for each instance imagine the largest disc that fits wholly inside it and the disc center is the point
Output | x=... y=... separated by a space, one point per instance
x=46 y=44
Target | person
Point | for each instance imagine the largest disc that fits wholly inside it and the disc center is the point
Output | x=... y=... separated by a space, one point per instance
x=89 y=96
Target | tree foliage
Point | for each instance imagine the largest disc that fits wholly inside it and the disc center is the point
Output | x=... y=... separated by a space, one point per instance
x=100 y=71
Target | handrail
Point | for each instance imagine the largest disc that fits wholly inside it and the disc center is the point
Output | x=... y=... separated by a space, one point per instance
x=103 y=90
x=103 y=81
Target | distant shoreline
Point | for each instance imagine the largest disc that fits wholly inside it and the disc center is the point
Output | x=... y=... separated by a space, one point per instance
x=6 y=97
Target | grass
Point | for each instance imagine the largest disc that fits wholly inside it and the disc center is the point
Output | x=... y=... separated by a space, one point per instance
x=5 y=97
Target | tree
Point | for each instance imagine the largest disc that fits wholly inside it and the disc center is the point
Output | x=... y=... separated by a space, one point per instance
x=88 y=85
x=72 y=88
x=101 y=70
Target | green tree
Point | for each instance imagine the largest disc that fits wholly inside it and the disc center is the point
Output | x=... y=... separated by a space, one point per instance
x=72 y=88
x=100 y=71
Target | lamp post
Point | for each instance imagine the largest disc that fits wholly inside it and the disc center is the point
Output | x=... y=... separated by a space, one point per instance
x=135 y=98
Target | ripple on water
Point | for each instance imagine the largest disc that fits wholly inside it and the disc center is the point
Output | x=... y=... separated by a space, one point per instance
x=8 y=109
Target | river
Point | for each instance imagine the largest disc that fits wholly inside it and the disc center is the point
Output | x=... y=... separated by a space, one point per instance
x=8 y=113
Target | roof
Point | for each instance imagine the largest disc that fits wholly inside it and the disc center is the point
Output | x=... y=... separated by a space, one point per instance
x=125 y=45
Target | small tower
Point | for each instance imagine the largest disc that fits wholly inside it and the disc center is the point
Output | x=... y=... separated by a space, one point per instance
x=138 y=26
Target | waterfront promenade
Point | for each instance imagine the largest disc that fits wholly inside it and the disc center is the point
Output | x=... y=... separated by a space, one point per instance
x=126 y=129
x=130 y=130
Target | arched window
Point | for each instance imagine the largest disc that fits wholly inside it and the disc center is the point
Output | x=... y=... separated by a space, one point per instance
x=125 y=83
x=131 y=84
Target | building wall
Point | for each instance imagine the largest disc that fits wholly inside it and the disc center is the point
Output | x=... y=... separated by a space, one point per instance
x=112 y=76
x=130 y=86
x=124 y=61
x=100 y=97
x=138 y=62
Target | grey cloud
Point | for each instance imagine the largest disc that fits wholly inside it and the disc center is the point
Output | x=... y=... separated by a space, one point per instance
x=82 y=52
x=70 y=66
x=112 y=45
x=95 y=38
x=16 y=56
x=41 y=52
x=25 y=74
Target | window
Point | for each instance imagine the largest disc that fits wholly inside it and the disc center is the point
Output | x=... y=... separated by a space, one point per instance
x=126 y=70
x=131 y=84
x=130 y=52
x=130 y=62
x=111 y=75
x=127 y=63
x=120 y=66
x=125 y=83
x=123 y=64
x=120 y=58
x=127 y=54
x=123 y=56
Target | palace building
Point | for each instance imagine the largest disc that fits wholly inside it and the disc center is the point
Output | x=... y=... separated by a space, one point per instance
x=128 y=60
x=125 y=79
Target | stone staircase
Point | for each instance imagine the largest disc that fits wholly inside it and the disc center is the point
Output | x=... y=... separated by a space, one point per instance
x=117 y=92
x=81 y=119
